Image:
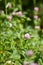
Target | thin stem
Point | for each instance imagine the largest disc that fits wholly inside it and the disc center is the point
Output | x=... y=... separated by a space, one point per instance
x=5 y=7
x=20 y=2
x=34 y=2
x=13 y=2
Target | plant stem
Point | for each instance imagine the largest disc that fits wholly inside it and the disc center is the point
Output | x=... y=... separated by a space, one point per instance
x=5 y=7
x=20 y=2
x=34 y=2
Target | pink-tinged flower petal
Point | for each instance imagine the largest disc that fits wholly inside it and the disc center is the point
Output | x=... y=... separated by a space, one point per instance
x=33 y=64
x=13 y=13
x=19 y=13
x=35 y=17
x=29 y=53
x=27 y=36
x=9 y=18
x=36 y=9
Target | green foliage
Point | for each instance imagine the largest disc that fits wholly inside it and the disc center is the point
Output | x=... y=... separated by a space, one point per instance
x=13 y=45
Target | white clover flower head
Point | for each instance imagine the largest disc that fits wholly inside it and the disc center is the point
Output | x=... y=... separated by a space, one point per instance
x=27 y=36
x=29 y=53
x=19 y=13
x=9 y=18
x=37 y=27
x=36 y=8
x=35 y=17
x=33 y=64
x=13 y=13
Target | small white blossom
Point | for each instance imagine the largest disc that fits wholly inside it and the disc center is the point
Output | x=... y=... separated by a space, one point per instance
x=9 y=5
x=10 y=24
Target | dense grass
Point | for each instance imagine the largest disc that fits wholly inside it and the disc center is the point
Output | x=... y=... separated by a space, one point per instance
x=21 y=32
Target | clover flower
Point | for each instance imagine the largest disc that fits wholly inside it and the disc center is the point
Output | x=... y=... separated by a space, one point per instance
x=33 y=64
x=35 y=17
x=29 y=53
x=27 y=36
x=13 y=13
x=9 y=18
x=36 y=9
x=19 y=13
